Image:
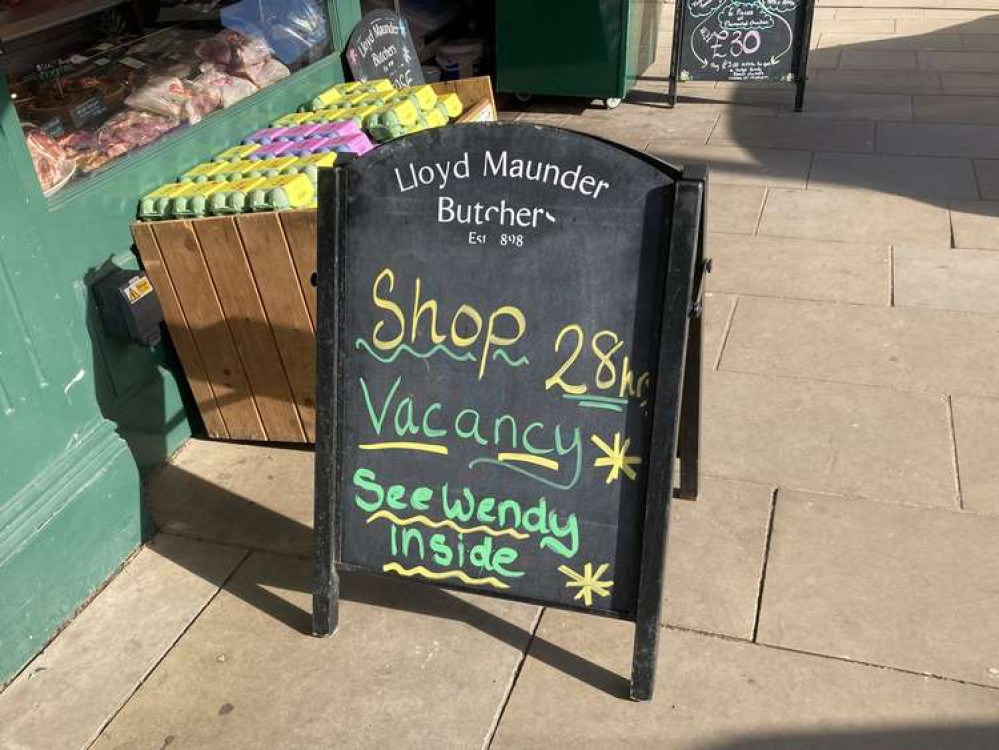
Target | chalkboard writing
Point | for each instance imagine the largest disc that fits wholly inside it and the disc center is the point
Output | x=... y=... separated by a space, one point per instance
x=741 y=40
x=736 y=41
x=88 y=111
x=380 y=47
x=496 y=336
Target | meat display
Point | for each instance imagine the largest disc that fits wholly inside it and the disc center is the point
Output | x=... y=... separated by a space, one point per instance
x=130 y=130
x=51 y=163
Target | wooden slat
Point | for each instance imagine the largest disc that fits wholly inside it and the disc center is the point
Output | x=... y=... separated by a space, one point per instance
x=180 y=332
x=300 y=229
x=186 y=265
x=250 y=328
x=277 y=281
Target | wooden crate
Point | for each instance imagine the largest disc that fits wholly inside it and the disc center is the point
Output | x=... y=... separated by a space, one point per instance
x=240 y=305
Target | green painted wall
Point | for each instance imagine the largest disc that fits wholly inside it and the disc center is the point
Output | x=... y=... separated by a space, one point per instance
x=82 y=418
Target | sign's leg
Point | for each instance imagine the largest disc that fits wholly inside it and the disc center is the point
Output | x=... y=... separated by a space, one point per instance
x=325 y=581
x=671 y=95
x=690 y=410
x=326 y=606
x=799 y=95
x=674 y=58
x=679 y=293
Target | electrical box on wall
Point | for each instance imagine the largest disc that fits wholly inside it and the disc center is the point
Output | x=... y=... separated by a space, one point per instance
x=129 y=307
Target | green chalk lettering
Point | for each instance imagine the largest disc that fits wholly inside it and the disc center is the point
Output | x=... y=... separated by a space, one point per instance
x=365 y=479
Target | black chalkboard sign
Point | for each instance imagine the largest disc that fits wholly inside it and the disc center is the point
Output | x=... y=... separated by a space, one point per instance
x=503 y=330
x=740 y=40
x=380 y=47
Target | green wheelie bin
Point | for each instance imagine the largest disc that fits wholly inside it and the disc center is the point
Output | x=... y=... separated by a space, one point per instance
x=587 y=48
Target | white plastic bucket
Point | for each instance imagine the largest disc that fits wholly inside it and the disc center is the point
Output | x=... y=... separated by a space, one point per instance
x=460 y=58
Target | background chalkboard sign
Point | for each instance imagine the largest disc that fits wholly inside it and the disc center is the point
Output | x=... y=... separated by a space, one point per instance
x=494 y=412
x=735 y=40
x=380 y=47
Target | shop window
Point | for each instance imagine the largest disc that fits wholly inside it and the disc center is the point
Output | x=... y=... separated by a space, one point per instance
x=94 y=81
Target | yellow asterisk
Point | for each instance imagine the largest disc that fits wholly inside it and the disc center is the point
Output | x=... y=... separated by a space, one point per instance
x=616 y=458
x=588 y=583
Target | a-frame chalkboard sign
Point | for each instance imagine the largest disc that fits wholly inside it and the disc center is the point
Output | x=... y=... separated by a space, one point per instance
x=741 y=40
x=508 y=317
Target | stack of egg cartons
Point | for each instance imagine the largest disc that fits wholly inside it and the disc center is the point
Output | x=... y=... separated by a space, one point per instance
x=383 y=111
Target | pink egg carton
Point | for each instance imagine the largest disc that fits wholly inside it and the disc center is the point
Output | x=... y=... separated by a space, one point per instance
x=269 y=150
x=358 y=144
x=340 y=129
x=300 y=132
x=310 y=146
x=265 y=135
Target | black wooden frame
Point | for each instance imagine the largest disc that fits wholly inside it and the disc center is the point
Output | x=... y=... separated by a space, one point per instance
x=799 y=64
x=675 y=413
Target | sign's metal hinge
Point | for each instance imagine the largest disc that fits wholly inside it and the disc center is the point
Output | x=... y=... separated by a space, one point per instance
x=697 y=305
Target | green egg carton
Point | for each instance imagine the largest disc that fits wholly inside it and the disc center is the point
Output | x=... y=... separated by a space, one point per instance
x=232 y=197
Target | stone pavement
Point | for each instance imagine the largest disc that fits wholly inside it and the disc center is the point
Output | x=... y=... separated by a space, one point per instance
x=836 y=585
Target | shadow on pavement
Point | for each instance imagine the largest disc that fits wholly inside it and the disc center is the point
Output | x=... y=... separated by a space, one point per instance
x=852 y=88
x=930 y=737
x=188 y=505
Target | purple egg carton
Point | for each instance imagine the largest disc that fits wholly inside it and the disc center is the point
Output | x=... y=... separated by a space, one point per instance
x=265 y=136
x=300 y=132
x=358 y=144
x=341 y=129
x=270 y=150
x=310 y=146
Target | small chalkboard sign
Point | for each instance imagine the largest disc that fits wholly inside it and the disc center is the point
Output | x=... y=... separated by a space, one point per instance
x=380 y=47
x=88 y=111
x=740 y=40
x=506 y=317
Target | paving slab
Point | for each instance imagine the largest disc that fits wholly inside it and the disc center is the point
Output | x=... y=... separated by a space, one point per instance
x=738 y=165
x=887 y=81
x=987 y=171
x=987 y=25
x=959 y=62
x=851 y=41
x=727 y=525
x=735 y=208
x=985 y=84
x=958 y=109
x=784 y=132
x=852 y=106
x=717 y=311
x=717 y=694
x=975 y=224
x=856 y=26
x=804 y=269
x=70 y=690
x=980 y=42
x=411 y=666
x=255 y=496
x=828 y=437
x=915 y=176
x=851 y=216
x=964 y=280
x=938 y=139
x=876 y=59
x=976 y=435
x=936 y=350
x=912 y=588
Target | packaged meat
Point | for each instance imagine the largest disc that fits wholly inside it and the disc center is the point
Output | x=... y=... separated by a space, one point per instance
x=265 y=73
x=204 y=99
x=231 y=88
x=161 y=95
x=52 y=165
x=130 y=129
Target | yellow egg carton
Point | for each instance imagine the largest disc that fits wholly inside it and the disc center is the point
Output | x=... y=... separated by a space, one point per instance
x=156 y=205
x=451 y=104
x=194 y=202
x=423 y=96
x=205 y=171
x=236 y=153
x=291 y=119
x=231 y=197
x=280 y=193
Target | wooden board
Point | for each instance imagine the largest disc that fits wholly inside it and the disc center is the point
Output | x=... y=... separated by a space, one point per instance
x=250 y=328
x=300 y=229
x=180 y=331
x=278 y=284
x=186 y=265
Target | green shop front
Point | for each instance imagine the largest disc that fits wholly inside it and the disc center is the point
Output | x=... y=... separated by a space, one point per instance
x=83 y=417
